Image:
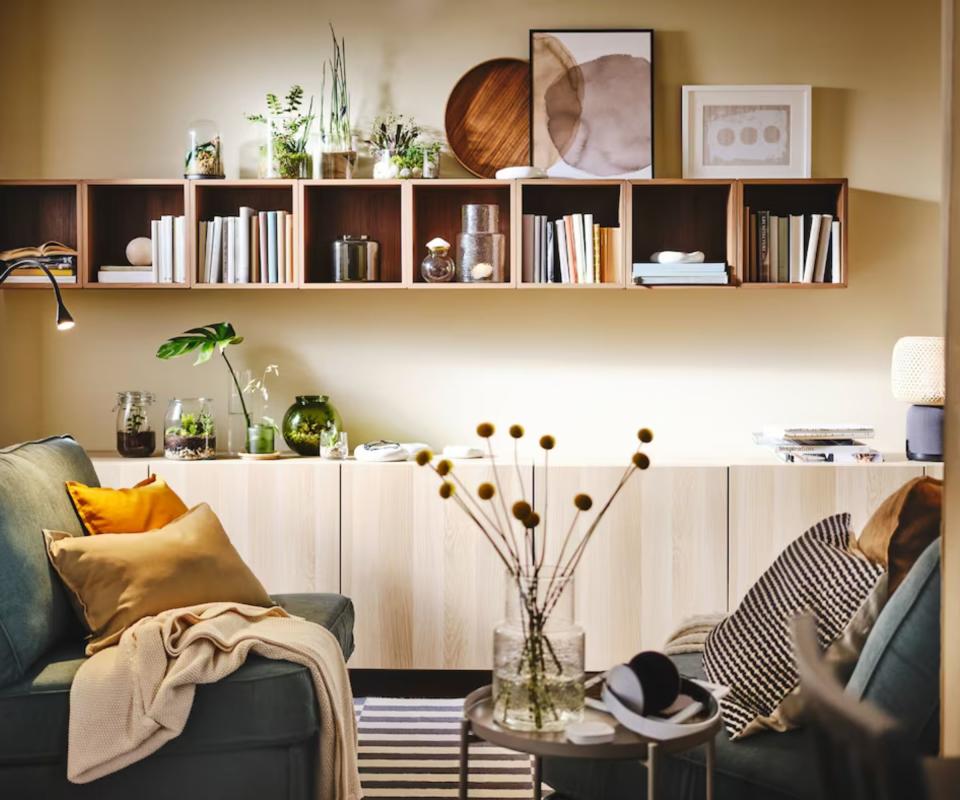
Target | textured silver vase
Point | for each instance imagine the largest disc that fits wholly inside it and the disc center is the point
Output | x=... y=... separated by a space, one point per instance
x=481 y=248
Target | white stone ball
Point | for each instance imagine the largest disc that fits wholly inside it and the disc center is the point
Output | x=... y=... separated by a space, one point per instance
x=138 y=252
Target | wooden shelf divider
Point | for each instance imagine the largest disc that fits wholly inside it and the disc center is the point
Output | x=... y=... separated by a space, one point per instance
x=99 y=217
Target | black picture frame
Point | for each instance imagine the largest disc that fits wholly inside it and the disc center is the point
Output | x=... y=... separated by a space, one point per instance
x=653 y=83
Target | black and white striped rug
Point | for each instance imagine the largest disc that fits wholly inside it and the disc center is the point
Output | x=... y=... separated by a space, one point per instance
x=411 y=748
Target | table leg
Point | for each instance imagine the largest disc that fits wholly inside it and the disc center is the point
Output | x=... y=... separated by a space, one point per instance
x=651 y=770
x=537 y=778
x=464 y=757
x=711 y=763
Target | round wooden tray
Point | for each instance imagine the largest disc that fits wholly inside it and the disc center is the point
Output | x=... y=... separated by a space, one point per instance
x=487 y=118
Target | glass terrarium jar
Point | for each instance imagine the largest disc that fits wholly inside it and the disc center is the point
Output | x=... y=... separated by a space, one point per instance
x=135 y=436
x=431 y=161
x=438 y=267
x=310 y=423
x=385 y=166
x=538 y=666
x=286 y=153
x=334 y=159
x=203 y=151
x=189 y=431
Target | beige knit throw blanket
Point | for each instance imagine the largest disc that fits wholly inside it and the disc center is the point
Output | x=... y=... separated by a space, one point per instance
x=129 y=700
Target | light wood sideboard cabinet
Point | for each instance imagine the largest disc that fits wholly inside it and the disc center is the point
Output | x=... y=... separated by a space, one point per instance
x=659 y=555
x=771 y=505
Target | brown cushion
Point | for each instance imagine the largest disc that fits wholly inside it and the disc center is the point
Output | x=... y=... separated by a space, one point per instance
x=116 y=579
x=902 y=527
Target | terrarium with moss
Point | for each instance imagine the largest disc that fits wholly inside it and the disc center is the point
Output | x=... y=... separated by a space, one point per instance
x=311 y=422
x=189 y=431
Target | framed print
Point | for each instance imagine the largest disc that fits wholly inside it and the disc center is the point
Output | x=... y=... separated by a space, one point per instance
x=746 y=131
x=591 y=103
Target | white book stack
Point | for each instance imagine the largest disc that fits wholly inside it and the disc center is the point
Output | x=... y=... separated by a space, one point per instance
x=168 y=256
x=250 y=248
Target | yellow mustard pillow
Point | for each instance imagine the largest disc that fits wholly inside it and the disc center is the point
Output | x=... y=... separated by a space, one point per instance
x=116 y=579
x=148 y=505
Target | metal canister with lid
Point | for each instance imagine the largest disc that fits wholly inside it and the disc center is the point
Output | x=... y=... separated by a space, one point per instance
x=356 y=258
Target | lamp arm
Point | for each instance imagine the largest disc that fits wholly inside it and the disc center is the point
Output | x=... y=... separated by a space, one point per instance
x=31 y=262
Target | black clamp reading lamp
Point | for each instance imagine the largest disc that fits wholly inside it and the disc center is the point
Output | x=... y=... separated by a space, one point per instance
x=64 y=320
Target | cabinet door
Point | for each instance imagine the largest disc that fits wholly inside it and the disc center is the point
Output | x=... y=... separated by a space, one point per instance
x=427 y=586
x=117 y=472
x=282 y=516
x=771 y=505
x=658 y=557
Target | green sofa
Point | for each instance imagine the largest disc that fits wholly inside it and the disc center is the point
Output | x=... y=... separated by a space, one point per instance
x=253 y=735
x=898 y=670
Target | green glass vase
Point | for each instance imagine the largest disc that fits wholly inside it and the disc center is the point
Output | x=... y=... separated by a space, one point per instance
x=311 y=422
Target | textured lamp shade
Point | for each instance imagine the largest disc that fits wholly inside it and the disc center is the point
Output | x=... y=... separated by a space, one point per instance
x=916 y=374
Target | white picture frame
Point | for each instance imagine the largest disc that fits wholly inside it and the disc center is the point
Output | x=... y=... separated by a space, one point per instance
x=761 y=131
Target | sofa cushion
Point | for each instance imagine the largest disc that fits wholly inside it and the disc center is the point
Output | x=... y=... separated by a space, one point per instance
x=767 y=766
x=899 y=668
x=34 y=610
x=149 y=505
x=264 y=702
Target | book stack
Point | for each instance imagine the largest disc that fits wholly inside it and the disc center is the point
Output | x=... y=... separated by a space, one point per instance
x=253 y=247
x=572 y=249
x=56 y=257
x=819 y=444
x=168 y=250
x=710 y=273
x=796 y=248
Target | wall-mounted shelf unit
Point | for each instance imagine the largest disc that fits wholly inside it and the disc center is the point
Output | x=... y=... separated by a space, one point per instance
x=99 y=217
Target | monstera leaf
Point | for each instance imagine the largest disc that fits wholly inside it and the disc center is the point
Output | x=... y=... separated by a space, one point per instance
x=206 y=340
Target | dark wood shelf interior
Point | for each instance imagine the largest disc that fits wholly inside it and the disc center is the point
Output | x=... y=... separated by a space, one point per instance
x=32 y=215
x=681 y=217
x=556 y=201
x=224 y=200
x=793 y=198
x=118 y=213
x=331 y=212
x=437 y=210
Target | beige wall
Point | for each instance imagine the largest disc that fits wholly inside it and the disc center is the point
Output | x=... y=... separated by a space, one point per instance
x=703 y=368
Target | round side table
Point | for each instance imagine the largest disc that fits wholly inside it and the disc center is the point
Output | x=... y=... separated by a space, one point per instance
x=478 y=724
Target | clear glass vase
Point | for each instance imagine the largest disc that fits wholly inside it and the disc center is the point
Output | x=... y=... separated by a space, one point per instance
x=136 y=437
x=538 y=656
x=189 y=431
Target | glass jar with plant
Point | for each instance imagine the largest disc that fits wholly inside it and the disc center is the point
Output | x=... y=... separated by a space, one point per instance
x=189 y=432
x=287 y=151
x=391 y=141
x=338 y=153
x=203 y=151
x=206 y=341
x=135 y=436
x=311 y=422
x=260 y=435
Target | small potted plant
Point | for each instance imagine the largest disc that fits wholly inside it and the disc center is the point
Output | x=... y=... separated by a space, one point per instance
x=287 y=152
x=260 y=435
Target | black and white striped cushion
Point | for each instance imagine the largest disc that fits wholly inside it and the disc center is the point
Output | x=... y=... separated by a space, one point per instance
x=751 y=650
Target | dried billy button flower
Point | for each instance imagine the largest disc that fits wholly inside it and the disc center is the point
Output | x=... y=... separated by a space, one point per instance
x=641 y=460
x=485 y=430
x=486 y=491
x=522 y=510
x=424 y=457
x=548 y=442
x=446 y=490
x=444 y=467
x=516 y=431
x=532 y=521
x=645 y=435
x=583 y=502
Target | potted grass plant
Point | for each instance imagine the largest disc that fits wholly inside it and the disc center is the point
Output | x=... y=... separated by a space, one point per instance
x=338 y=155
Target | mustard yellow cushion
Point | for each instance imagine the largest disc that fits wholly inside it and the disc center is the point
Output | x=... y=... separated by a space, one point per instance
x=148 y=505
x=116 y=579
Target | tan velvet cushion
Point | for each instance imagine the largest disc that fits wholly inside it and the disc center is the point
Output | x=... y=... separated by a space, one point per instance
x=902 y=527
x=116 y=579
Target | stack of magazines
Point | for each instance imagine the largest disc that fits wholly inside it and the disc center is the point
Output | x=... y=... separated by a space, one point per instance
x=819 y=444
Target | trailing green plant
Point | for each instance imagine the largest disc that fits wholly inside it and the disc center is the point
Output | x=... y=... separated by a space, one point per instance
x=206 y=340
x=335 y=120
x=193 y=425
x=290 y=130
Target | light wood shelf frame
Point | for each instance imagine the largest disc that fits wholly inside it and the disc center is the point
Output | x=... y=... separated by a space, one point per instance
x=203 y=197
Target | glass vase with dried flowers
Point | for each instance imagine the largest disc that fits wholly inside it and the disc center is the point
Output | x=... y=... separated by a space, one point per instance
x=538 y=650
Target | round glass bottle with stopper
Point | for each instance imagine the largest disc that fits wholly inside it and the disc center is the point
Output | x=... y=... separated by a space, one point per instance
x=438 y=267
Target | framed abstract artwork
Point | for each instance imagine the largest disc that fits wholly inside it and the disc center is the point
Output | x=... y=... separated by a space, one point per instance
x=591 y=103
x=746 y=131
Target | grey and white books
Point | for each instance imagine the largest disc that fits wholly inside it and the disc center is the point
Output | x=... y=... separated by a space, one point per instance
x=805 y=432
x=243 y=245
x=783 y=250
x=526 y=274
x=155 y=249
x=709 y=273
x=823 y=245
x=252 y=247
x=794 y=248
x=231 y=243
x=572 y=249
x=272 y=247
x=179 y=250
x=836 y=248
x=216 y=250
x=819 y=450
x=718 y=279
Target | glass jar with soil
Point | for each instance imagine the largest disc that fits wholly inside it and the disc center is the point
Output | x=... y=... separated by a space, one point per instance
x=135 y=436
x=189 y=431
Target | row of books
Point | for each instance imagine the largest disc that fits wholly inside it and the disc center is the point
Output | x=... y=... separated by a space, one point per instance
x=168 y=256
x=821 y=444
x=797 y=248
x=57 y=257
x=572 y=249
x=254 y=247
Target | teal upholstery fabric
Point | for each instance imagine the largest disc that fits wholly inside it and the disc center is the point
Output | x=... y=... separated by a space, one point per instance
x=265 y=703
x=899 y=667
x=769 y=766
x=34 y=610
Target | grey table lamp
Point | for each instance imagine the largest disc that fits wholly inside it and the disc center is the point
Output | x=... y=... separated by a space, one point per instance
x=917 y=377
